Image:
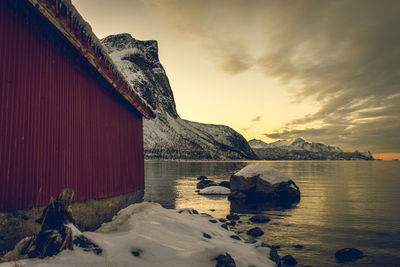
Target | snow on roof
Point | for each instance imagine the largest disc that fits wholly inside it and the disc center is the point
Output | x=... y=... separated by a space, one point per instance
x=67 y=20
x=267 y=173
x=160 y=237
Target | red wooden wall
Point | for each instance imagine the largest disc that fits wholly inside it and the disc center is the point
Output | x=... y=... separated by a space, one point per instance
x=61 y=124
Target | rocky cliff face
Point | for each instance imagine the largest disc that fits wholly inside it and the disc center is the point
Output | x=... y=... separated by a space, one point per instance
x=168 y=136
x=299 y=149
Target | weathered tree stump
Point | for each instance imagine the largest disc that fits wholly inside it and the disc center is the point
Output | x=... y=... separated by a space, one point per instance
x=54 y=236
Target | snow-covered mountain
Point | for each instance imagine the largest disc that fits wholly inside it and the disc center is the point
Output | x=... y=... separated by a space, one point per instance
x=295 y=144
x=299 y=149
x=168 y=136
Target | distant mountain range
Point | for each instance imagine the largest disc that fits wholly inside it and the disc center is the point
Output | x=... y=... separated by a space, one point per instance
x=168 y=136
x=299 y=149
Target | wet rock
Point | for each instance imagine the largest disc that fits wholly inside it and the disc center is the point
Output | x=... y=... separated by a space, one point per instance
x=231 y=223
x=263 y=244
x=289 y=260
x=255 y=232
x=232 y=217
x=207 y=235
x=225 y=261
x=87 y=245
x=237 y=195
x=298 y=246
x=348 y=254
x=263 y=184
x=212 y=210
x=260 y=219
x=222 y=220
x=202 y=178
x=235 y=237
x=205 y=183
x=225 y=184
x=224 y=226
x=215 y=190
x=274 y=256
x=213 y=221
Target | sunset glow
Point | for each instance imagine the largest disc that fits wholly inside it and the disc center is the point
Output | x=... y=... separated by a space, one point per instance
x=325 y=71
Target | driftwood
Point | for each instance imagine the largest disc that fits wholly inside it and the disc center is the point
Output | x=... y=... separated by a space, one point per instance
x=54 y=236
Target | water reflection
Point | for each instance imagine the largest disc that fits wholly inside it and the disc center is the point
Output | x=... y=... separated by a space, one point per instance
x=343 y=204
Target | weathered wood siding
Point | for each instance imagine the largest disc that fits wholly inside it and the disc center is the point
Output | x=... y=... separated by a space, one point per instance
x=61 y=124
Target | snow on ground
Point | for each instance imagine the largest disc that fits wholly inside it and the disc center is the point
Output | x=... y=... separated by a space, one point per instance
x=267 y=173
x=215 y=190
x=159 y=237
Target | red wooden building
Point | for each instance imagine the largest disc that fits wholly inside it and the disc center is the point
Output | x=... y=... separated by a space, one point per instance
x=68 y=118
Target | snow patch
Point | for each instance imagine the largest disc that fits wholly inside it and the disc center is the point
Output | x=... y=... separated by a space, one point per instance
x=215 y=190
x=158 y=237
x=267 y=173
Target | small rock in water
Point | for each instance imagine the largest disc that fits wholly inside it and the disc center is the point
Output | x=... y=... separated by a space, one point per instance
x=231 y=223
x=233 y=217
x=225 y=261
x=256 y=232
x=274 y=256
x=225 y=184
x=289 y=260
x=207 y=235
x=222 y=220
x=212 y=210
x=260 y=219
x=205 y=183
x=213 y=221
x=298 y=246
x=215 y=190
x=348 y=254
x=202 y=178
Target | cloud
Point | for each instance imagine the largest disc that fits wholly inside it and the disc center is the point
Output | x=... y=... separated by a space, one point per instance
x=258 y=118
x=343 y=55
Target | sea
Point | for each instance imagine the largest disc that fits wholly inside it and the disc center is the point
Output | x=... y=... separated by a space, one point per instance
x=343 y=204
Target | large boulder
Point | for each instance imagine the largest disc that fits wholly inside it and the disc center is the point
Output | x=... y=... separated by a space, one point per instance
x=261 y=184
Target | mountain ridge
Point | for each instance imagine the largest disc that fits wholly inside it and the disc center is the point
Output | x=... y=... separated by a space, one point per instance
x=299 y=149
x=168 y=136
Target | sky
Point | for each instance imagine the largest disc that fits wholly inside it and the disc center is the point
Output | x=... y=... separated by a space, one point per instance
x=326 y=71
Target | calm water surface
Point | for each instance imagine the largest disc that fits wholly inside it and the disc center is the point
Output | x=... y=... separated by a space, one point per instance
x=343 y=204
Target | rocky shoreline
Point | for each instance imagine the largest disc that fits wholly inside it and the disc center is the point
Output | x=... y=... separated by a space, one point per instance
x=252 y=180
